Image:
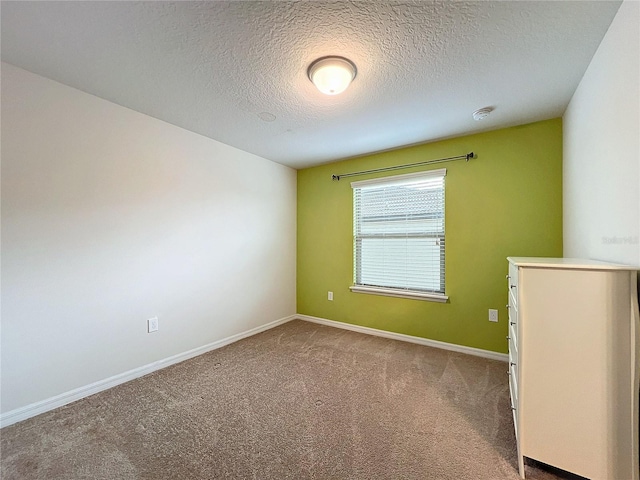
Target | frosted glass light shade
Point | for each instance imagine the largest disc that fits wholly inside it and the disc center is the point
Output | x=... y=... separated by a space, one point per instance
x=332 y=75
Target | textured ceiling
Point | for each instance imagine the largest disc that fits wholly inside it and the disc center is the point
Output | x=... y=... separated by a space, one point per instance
x=235 y=71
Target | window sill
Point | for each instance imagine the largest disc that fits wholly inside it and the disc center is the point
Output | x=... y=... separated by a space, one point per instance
x=392 y=292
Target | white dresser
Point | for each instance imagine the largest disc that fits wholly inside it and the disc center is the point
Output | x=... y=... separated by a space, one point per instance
x=573 y=365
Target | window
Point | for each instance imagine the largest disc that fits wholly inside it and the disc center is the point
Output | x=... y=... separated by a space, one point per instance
x=398 y=235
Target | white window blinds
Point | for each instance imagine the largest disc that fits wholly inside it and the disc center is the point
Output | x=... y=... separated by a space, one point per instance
x=399 y=240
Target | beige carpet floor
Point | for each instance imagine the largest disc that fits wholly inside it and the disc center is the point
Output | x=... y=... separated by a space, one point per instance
x=300 y=401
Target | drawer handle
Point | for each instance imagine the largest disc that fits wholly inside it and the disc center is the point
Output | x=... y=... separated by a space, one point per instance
x=512 y=323
x=513 y=364
x=512 y=286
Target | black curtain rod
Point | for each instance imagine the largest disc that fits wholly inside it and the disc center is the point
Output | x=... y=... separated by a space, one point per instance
x=466 y=157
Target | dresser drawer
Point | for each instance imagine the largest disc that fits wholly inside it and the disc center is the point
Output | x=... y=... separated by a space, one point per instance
x=516 y=425
x=513 y=360
x=512 y=282
x=513 y=343
x=513 y=388
x=513 y=322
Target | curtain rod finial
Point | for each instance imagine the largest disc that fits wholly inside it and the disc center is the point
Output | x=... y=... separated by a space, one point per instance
x=470 y=155
x=335 y=177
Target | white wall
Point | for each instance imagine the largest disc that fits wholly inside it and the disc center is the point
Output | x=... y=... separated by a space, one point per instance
x=602 y=149
x=110 y=217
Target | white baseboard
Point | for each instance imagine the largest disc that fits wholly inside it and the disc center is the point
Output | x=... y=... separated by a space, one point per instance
x=408 y=338
x=23 y=413
x=28 y=411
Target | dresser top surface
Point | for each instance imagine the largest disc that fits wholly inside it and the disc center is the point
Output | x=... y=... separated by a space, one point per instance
x=568 y=263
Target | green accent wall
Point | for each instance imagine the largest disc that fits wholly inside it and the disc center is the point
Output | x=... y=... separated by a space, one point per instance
x=506 y=202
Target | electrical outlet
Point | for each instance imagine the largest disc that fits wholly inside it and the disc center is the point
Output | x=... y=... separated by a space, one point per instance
x=493 y=315
x=152 y=325
x=330 y=296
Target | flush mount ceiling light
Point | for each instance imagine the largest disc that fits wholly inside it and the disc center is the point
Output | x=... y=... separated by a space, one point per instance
x=482 y=113
x=332 y=75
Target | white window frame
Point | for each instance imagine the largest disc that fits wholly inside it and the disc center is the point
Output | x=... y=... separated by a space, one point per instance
x=436 y=296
